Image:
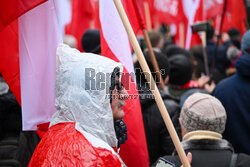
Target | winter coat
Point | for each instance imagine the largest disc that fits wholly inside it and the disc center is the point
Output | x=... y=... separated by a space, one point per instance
x=63 y=145
x=158 y=139
x=222 y=63
x=210 y=153
x=234 y=94
x=16 y=146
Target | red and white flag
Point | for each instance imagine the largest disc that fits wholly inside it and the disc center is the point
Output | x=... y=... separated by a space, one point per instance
x=115 y=45
x=193 y=10
x=34 y=38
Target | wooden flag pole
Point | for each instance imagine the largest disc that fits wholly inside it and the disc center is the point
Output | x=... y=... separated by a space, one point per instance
x=181 y=35
x=153 y=60
x=147 y=15
x=152 y=84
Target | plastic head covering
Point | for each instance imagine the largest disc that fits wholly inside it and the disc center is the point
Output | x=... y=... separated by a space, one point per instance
x=77 y=99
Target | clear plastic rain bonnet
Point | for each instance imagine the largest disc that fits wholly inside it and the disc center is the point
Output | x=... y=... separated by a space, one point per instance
x=82 y=87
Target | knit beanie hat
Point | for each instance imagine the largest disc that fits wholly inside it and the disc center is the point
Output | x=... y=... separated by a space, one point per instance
x=203 y=112
x=245 y=42
x=91 y=41
x=181 y=70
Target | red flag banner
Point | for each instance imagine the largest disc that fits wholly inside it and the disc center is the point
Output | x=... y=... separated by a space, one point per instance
x=212 y=8
x=135 y=13
x=12 y=9
x=9 y=64
x=82 y=15
x=168 y=11
x=235 y=16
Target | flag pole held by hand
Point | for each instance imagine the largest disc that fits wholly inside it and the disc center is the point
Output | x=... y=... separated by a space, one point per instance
x=152 y=84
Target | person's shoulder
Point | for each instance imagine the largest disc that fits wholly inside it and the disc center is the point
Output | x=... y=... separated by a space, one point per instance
x=243 y=160
x=224 y=85
x=171 y=103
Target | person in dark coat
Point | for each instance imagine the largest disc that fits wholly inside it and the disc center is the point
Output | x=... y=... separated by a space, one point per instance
x=202 y=121
x=16 y=146
x=158 y=139
x=180 y=76
x=234 y=94
x=221 y=61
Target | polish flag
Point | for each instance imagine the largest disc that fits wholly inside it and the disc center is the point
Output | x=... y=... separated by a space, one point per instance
x=115 y=45
x=33 y=38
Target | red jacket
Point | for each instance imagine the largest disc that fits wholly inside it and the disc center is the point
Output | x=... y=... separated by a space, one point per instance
x=63 y=145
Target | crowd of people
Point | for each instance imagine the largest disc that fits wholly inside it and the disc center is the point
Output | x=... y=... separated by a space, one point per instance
x=210 y=113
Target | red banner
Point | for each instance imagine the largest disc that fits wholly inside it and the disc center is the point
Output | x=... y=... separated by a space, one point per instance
x=168 y=11
x=212 y=8
x=10 y=10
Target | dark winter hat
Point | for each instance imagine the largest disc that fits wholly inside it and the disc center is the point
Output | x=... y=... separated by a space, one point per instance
x=91 y=41
x=233 y=33
x=203 y=112
x=181 y=70
x=163 y=64
x=245 y=42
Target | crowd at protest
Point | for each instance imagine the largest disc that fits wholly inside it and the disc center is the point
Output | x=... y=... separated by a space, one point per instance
x=205 y=90
x=210 y=113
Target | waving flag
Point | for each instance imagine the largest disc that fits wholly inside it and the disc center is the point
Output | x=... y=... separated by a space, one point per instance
x=35 y=39
x=169 y=11
x=11 y=9
x=9 y=64
x=212 y=8
x=115 y=45
x=135 y=15
x=193 y=10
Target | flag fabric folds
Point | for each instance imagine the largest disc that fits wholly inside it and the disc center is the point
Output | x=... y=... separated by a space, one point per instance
x=136 y=15
x=9 y=64
x=11 y=9
x=169 y=11
x=193 y=10
x=212 y=8
x=30 y=43
x=115 y=45
x=38 y=39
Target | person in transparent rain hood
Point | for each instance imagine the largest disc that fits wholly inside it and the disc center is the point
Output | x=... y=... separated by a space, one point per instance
x=82 y=131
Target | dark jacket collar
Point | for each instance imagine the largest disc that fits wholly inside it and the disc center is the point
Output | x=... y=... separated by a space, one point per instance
x=206 y=144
